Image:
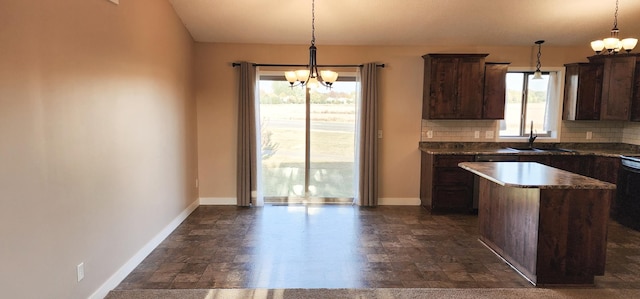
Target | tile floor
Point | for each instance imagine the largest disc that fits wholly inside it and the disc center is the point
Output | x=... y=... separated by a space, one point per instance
x=344 y=247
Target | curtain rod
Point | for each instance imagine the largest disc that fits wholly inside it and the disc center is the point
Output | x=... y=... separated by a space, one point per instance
x=306 y=65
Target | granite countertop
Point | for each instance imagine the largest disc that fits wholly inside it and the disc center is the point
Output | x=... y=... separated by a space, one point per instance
x=532 y=175
x=470 y=148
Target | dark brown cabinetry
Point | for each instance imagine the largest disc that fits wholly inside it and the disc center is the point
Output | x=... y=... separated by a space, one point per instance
x=544 y=159
x=576 y=164
x=606 y=168
x=617 y=87
x=453 y=86
x=582 y=91
x=635 y=100
x=606 y=88
x=572 y=163
x=445 y=187
x=495 y=84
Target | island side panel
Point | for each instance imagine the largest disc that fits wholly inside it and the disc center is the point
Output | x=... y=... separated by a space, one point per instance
x=573 y=235
x=508 y=223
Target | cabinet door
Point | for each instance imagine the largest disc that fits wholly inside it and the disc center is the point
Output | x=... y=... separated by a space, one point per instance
x=443 y=93
x=606 y=169
x=452 y=186
x=617 y=87
x=582 y=91
x=452 y=199
x=495 y=78
x=453 y=86
x=470 y=87
x=635 y=101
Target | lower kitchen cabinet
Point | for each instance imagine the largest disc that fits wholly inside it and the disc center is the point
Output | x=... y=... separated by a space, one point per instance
x=445 y=187
x=576 y=164
x=543 y=159
x=606 y=169
x=572 y=163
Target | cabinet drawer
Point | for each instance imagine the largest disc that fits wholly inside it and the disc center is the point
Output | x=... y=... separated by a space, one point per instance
x=451 y=161
x=452 y=176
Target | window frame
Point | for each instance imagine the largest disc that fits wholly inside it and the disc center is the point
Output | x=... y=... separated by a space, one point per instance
x=554 y=134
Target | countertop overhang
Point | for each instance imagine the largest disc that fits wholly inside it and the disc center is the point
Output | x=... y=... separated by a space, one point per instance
x=532 y=175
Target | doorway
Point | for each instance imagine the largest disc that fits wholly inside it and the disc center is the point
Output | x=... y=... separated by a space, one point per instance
x=307 y=139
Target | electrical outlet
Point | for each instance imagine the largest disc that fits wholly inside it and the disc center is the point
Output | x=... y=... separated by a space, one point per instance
x=80 y=271
x=476 y=134
x=380 y=134
x=589 y=135
x=429 y=134
x=197 y=183
x=488 y=134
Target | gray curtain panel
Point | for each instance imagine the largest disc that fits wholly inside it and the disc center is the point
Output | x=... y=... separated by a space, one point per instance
x=246 y=168
x=368 y=149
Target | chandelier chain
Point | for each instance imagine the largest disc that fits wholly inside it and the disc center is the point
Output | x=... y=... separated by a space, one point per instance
x=313 y=22
x=615 y=17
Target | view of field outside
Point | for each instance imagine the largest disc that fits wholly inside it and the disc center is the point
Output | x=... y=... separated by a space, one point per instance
x=536 y=104
x=332 y=141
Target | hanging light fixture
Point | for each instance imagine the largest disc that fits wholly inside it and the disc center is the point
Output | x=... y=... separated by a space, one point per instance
x=538 y=73
x=311 y=77
x=613 y=44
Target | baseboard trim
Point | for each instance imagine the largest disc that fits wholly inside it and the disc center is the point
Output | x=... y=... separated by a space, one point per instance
x=399 y=201
x=389 y=201
x=218 y=201
x=137 y=258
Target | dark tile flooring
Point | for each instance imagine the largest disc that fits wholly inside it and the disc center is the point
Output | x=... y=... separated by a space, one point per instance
x=344 y=247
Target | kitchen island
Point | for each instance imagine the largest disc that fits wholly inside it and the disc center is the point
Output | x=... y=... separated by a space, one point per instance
x=550 y=225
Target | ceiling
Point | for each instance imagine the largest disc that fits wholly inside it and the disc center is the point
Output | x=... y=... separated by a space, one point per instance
x=408 y=22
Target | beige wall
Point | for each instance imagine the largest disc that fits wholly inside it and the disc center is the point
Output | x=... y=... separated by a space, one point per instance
x=97 y=138
x=400 y=104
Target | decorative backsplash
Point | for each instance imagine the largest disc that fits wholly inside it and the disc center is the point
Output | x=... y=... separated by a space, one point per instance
x=458 y=130
x=570 y=131
x=631 y=133
x=601 y=131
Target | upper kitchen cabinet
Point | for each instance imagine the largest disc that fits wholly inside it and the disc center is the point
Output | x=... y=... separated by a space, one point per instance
x=582 y=91
x=495 y=85
x=617 y=87
x=453 y=86
x=603 y=89
x=635 y=100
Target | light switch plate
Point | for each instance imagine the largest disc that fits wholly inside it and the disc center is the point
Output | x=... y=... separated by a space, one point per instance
x=115 y=1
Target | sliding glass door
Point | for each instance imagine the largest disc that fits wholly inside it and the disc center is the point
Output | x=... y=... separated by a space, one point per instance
x=307 y=138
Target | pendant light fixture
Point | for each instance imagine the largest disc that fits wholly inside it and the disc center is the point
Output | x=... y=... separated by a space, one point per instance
x=613 y=44
x=538 y=73
x=311 y=77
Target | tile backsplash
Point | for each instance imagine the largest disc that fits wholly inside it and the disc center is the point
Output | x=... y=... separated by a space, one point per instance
x=601 y=131
x=631 y=133
x=458 y=130
x=570 y=131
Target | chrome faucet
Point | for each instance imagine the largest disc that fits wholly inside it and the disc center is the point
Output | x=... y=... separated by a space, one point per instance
x=532 y=137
